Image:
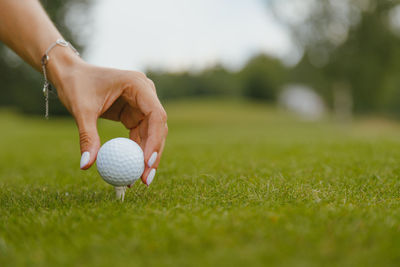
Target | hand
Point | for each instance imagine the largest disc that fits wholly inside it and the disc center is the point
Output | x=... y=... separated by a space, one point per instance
x=90 y=92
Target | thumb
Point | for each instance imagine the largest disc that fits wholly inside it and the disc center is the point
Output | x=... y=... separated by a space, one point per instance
x=89 y=141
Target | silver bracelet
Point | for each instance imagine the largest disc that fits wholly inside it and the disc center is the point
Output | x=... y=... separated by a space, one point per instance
x=45 y=60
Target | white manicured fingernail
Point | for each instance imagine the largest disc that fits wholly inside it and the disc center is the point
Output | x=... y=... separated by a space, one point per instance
x=85 y=158
x=152 y=159
x=150 y=177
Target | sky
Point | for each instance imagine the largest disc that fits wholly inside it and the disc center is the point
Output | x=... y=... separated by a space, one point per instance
x=177 y=35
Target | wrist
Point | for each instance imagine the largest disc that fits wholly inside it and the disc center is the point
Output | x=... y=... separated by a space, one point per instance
x=62 y=63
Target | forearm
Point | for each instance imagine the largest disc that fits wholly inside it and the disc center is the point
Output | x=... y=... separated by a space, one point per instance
x=26 y=28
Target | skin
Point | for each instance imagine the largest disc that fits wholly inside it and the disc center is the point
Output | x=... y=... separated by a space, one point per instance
x=88 y=92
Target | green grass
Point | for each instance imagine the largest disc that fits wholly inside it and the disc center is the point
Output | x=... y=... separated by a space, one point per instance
x=239 y=185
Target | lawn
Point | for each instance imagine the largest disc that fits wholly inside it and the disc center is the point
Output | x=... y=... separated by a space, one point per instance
x=240 y=184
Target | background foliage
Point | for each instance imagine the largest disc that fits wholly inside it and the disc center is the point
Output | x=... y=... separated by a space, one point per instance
x=21 y=84
x=352 y=44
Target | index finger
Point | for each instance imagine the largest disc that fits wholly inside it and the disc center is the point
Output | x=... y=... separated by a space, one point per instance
x=142 y=95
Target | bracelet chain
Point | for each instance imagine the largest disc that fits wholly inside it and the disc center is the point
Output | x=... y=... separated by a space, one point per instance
x=44 y=61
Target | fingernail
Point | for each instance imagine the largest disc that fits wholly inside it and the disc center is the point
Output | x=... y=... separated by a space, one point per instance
x=85 y=159
x=150 y=177
x=152 y=159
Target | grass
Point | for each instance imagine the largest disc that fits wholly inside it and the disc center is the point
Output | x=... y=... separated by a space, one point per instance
x=239 y=184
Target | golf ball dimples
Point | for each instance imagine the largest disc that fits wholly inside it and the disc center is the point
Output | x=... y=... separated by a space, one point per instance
x=120 y=162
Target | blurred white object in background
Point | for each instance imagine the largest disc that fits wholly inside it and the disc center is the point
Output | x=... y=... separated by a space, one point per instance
x=302 y=100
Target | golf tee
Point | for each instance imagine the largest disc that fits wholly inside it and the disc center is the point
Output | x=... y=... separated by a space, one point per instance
x=120 y=192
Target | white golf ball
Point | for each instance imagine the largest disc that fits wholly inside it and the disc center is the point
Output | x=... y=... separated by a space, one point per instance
x=120 y=162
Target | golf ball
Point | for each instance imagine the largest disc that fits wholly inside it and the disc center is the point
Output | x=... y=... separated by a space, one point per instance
x=120 y=162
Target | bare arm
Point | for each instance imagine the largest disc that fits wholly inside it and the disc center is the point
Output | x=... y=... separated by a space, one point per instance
x=26 y=28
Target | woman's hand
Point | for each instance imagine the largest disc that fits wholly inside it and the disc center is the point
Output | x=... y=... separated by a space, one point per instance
x=90 y=92
x=87 y=91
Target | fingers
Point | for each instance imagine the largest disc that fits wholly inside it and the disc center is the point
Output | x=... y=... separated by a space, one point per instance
x=151 y=166
x=140 y=93
x=157 y=133
x=152 y=85
x=131 y=117
x=153 y=129
x=89 y=140
x=154 y=145
x=154 y=162
x=134 y=135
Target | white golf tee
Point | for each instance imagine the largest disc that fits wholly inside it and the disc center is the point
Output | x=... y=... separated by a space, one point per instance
x=120 y=192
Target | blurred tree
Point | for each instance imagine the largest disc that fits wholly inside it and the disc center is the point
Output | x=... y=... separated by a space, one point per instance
x=262 y=77
x=215 y=81
x=348 y=42
x=21 y=84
